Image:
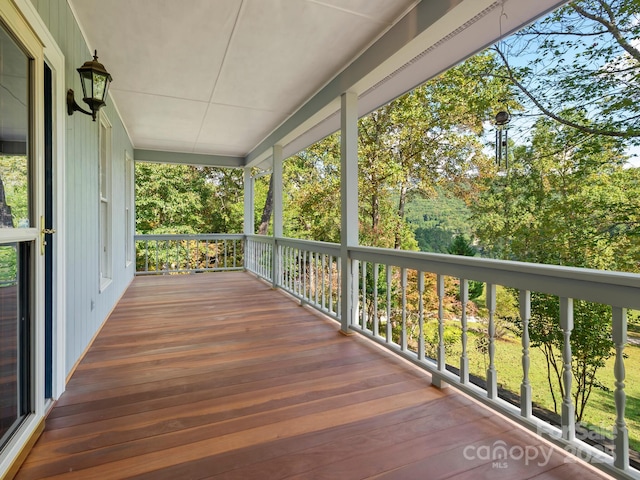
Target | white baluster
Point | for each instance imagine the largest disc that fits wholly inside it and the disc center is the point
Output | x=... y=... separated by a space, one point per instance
x=280 y=265
x=464 y=358
x=316 y=278
x=355 y=304
x=388 y=330
x=492 y=376
x=339 y=286
x=300 y=273
x=621 y=439
x=323 y=262
x=376 y=320
x=305 y=275
x=568 y=409
x=403 y=338
x=420 y=315
x=442 y=362
x=364 y=295
x=289 y=267
x=525 y=387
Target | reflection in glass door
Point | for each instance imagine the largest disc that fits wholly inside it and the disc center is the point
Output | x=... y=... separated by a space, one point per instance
x=17 y=238
x=14 y=337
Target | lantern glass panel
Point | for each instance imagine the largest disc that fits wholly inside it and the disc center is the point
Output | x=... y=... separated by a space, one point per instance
x=87 y=85
x=99 y=86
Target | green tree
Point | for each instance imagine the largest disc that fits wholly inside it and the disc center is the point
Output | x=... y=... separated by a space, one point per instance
x=224 y=207
x=169 y=198
x=312 y=192
x=14 y=198
x=462 y=246
x=188 y=199
x=583 y=57
x=567 y=200
x=433 y=239
x=407 y=148
x=427 y=137
x=591 y=346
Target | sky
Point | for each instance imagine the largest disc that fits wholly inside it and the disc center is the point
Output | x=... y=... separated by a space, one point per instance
x=522 y=122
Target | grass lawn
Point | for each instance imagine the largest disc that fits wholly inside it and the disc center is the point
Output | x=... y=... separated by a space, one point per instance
x=600 y=410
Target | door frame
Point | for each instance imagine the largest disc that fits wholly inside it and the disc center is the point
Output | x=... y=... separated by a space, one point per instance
x=25 y=24
x=32 y=424
x=54 y=58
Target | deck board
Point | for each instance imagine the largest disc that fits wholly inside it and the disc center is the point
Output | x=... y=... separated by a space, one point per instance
x=218 y=376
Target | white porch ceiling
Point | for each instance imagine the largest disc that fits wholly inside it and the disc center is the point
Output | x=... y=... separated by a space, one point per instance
x=228 y=77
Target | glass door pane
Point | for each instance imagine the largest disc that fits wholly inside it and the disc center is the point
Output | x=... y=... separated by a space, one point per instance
x=14 y=141
x=14 y=337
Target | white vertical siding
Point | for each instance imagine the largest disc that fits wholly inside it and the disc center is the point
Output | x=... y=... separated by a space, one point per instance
x=82 y=203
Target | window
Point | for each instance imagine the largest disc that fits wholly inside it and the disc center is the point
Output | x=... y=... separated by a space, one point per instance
x=128 y=208
x=104 y=139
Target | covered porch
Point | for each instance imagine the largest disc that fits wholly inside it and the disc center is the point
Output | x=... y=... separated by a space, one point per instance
x=220 y=376
x=226 y=375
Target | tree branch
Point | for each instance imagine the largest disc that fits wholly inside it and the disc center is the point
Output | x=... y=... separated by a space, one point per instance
x=610 y=25
x=531 y=31
x=583 y=128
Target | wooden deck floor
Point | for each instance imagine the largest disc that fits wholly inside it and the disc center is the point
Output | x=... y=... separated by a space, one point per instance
x=218 y=376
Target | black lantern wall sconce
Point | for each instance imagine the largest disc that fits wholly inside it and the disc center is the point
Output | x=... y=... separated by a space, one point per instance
x=95 y=84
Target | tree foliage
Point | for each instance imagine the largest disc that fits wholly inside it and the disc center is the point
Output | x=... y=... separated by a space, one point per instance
x=583 y=58
x=312 y=193
x=461 y=246
x=14 y=194
x=188 y=199
x=567 y=200
x=425 y=138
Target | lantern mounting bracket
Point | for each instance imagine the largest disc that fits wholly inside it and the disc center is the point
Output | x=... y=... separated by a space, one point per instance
x=72 y=106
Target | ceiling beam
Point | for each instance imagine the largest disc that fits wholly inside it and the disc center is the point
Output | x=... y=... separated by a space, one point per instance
x=155 y=156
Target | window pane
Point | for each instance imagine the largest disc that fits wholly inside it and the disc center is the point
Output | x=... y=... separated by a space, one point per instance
x=9 y=340
x=14 y=194
x=14 y=125
x=103 y=162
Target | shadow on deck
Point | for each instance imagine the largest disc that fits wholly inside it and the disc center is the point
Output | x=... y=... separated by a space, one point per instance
x=219 y=376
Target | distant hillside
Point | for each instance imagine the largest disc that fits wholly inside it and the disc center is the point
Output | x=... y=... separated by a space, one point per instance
x=437 y=220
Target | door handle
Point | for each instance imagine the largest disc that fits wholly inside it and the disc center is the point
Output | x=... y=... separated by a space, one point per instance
x=43 y=232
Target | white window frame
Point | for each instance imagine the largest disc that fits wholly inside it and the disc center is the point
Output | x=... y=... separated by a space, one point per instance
x=105 y=201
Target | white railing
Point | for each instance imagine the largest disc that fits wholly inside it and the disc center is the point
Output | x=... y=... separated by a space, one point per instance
x=165 y=254
x=310 y=271
x=385 y=278
x=259 y=256
x=387 y=293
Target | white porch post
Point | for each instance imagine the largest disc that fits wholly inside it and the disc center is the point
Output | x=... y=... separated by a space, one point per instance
x=249 y=228
x=277 y=213
x=349 y=205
